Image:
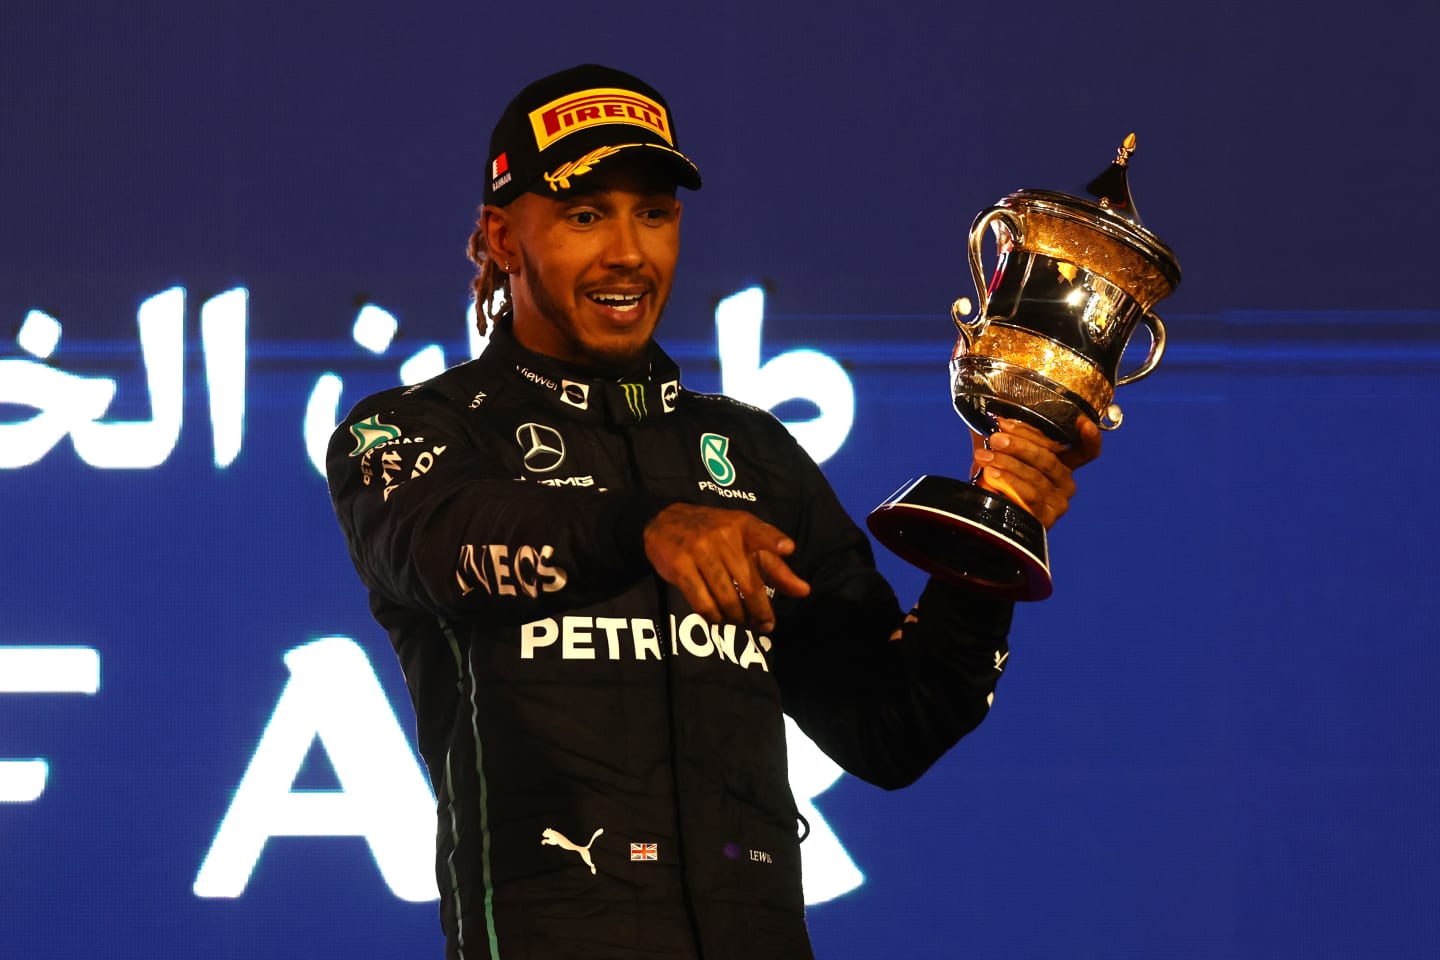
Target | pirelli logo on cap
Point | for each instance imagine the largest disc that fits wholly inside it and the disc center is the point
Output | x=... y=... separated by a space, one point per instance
x=590 y=108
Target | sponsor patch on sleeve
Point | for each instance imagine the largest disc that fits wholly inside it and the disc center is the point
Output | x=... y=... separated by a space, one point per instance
x=370 y=433
x=391 y=463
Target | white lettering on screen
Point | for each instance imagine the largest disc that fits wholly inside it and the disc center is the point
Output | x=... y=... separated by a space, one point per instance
x=38 y=669
x=333 y=695
x=75 y=405
x=794 y=375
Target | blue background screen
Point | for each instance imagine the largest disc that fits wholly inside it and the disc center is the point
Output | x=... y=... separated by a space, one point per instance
x=221 y=224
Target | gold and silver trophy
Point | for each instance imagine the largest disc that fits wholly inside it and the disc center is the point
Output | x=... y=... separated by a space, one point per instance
x=1073 y=279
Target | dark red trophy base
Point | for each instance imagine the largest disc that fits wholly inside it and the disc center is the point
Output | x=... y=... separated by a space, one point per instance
x=966 y=535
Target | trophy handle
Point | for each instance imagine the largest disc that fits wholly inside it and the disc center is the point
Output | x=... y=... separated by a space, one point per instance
x=974 y=327
x=1111 y=416
x=1157 y=350
x=969 y=327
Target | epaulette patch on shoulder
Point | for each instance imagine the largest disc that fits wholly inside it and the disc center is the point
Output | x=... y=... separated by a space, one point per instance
x=731 y=401
x=456 y=385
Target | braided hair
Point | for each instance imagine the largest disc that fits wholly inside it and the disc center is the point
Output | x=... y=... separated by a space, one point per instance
x=491 y=285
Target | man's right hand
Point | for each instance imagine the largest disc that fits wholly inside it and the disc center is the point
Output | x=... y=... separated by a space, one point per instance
x=722 y=560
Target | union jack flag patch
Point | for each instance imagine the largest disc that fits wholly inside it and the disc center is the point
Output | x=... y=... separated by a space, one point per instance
x=643 y=851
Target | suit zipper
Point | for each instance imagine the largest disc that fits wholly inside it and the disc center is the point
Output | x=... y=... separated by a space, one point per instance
x=662 y=592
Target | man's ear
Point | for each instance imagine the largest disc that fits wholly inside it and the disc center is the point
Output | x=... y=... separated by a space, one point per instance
x=499 y=235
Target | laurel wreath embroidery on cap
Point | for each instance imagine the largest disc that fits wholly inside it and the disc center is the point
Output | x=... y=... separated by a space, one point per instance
x=560 y=179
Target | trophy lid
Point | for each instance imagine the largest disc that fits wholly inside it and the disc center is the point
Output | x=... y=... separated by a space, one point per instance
x=1066 y=226
x=1112 y=187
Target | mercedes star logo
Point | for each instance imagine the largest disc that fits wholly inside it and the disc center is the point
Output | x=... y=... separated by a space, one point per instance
x=544 y=449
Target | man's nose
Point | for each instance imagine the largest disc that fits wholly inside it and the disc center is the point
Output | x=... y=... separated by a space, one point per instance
x=623 y=247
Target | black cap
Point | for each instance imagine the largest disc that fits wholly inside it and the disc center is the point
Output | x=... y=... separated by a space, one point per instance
x=561 y=126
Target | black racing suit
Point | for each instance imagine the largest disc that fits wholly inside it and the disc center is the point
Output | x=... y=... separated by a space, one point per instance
x=610 y=770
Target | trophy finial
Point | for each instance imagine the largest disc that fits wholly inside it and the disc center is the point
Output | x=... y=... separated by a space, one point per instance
x=1112 y=187
x=1122 y=156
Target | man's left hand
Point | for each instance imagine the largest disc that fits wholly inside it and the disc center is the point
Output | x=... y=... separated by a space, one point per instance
x=1032 y=470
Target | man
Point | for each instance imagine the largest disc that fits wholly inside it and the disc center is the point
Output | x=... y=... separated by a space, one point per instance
x=604 y=588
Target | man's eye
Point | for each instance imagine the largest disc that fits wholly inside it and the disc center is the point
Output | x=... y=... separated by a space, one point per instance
x=584 y=218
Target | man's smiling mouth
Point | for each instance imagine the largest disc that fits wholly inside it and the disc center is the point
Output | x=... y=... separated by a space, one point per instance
x=622 y=302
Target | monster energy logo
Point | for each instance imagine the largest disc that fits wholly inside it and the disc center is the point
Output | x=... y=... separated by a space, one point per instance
x=635 y=398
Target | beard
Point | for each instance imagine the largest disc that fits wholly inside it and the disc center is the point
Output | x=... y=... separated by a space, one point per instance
x=606 y=356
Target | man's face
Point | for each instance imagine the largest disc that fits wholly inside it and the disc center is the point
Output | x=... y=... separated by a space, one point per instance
x=590 y=272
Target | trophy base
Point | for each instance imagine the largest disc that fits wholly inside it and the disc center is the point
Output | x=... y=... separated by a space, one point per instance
x=966 y=535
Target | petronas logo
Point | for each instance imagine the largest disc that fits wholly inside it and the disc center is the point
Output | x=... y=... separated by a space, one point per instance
x=713 y=448
x=370 y=433
x=635 y=399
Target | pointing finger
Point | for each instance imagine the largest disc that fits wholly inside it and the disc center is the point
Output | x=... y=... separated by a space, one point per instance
x=777 y=574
